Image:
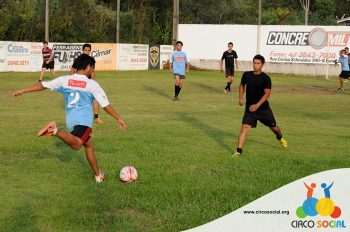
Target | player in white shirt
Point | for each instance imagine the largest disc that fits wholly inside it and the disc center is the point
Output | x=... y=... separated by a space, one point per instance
x=79 y=92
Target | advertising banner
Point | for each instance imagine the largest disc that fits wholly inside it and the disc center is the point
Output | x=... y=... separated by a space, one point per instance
x=36 y=58
x=303 y=44
x=132 y=57
x=18 y=56
x=64 y=54
x=3 y=63
x=153 y=59
x=165 y=52
x=105 y=55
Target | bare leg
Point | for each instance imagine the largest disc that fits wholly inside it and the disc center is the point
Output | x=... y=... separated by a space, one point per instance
x=42 y=74
x=341 y=82
x=91 y=157
x=69 y=139
x=243 y=135
x=52 y=71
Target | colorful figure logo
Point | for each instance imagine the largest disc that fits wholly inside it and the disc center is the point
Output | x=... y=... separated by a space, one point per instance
x=313 y=206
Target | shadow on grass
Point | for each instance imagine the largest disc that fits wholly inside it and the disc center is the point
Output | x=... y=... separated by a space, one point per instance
x=214 y=133
x=23 y=218
x=207 y=87
x=157 y=91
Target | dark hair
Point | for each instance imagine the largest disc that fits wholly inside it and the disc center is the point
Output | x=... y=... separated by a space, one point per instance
x=346 y=48
x=83 y=61
x=259 y=57
x=45 y=42
x=343 y=50
x=86 y=46
x=179 y=42
x=230 y=43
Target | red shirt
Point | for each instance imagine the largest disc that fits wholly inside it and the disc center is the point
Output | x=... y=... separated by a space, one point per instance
x=46 y=53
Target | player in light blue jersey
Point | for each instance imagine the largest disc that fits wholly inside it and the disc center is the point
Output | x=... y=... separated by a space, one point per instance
x=345 y=73
x=179 y=65
x=79 y=93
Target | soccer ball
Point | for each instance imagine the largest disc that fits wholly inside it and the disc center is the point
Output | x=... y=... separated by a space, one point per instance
x=128 y=174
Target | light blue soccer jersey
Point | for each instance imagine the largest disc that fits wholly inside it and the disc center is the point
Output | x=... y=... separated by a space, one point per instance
x=179 y=60
x=344 y=62
x=79 y=93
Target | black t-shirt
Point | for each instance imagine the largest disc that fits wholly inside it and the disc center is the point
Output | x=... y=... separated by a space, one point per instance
x=255 y=85
x=229 y=58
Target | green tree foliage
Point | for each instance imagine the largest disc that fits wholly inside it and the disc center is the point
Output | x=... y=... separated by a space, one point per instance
x=149 y=21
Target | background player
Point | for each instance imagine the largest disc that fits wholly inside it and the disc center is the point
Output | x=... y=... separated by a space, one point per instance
x=48 y=61
x=345 y=71
x=87 y=51
x=179 y=64
x=79 y=93
x=258 y=86
x=230 y=57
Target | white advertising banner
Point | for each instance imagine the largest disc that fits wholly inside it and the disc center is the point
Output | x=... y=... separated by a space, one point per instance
x=3 y=63
x=303 y=44
x=165 y=52
x=132 y=57
x=17 y=56
x=65 y=54
x=210 y=41
x=36 y=58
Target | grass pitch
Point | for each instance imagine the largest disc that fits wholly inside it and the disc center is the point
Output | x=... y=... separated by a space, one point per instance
x=182 y=151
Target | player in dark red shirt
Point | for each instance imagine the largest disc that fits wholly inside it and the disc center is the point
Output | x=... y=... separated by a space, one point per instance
x=48 y=61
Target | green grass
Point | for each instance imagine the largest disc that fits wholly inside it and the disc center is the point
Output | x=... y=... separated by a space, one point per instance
x=182 y=151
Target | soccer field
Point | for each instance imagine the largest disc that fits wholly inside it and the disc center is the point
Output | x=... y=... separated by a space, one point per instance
x=182 y=151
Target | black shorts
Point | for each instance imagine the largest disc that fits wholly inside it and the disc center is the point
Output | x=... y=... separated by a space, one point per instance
x=50 y=65
x=264 y=116
x=82 y=132
x=230 y=72
x=182 y=77
x=344 y=74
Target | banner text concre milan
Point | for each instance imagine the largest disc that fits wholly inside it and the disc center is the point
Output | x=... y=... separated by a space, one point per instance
x=303 y=44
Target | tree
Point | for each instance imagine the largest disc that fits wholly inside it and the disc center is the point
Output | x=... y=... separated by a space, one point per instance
x=306 y=6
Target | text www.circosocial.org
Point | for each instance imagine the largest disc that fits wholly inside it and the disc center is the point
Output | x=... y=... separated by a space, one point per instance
x=272 y=212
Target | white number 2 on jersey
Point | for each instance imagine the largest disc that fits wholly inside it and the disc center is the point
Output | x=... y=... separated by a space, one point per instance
x=74 y=101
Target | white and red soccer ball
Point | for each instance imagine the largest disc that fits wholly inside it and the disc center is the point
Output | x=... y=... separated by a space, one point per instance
x=128 y=174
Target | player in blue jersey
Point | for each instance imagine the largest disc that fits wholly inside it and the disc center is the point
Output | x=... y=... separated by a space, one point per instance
x=79 y=92
x=345 y=73
x=179 y=65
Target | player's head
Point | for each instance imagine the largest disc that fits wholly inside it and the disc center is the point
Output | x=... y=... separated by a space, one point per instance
x=45 y=43
x=258 y=62
x=87 y=49
x=85 y=63
x=343 y=52
x=230 y=45
x=346 y=49
x=179 y=45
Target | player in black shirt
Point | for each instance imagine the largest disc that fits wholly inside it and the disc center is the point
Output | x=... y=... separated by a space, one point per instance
x=230 y=57
x=87 y=51
x=258 y=89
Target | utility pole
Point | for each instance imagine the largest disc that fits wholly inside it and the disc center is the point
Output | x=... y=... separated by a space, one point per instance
x=47 y=21
x=175 y=21
x=117 y=36
x=258 y=37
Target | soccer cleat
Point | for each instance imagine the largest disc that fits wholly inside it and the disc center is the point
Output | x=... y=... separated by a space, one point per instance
x=98 y=120
x=100 y=177
x=49 y=130
x=225 y=91
x=176 y=98
x=340 y=89
x=236 y=154
x=283 y=143
x=39 y=81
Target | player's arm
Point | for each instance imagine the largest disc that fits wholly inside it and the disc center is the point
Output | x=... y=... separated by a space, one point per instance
x=221 y=63
x=187 y=66
x=254 y=107
x=109 y=109
x=236 y=62
x=171 y=66
x=241 y=94
x=50 y=58
x=34 y=88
